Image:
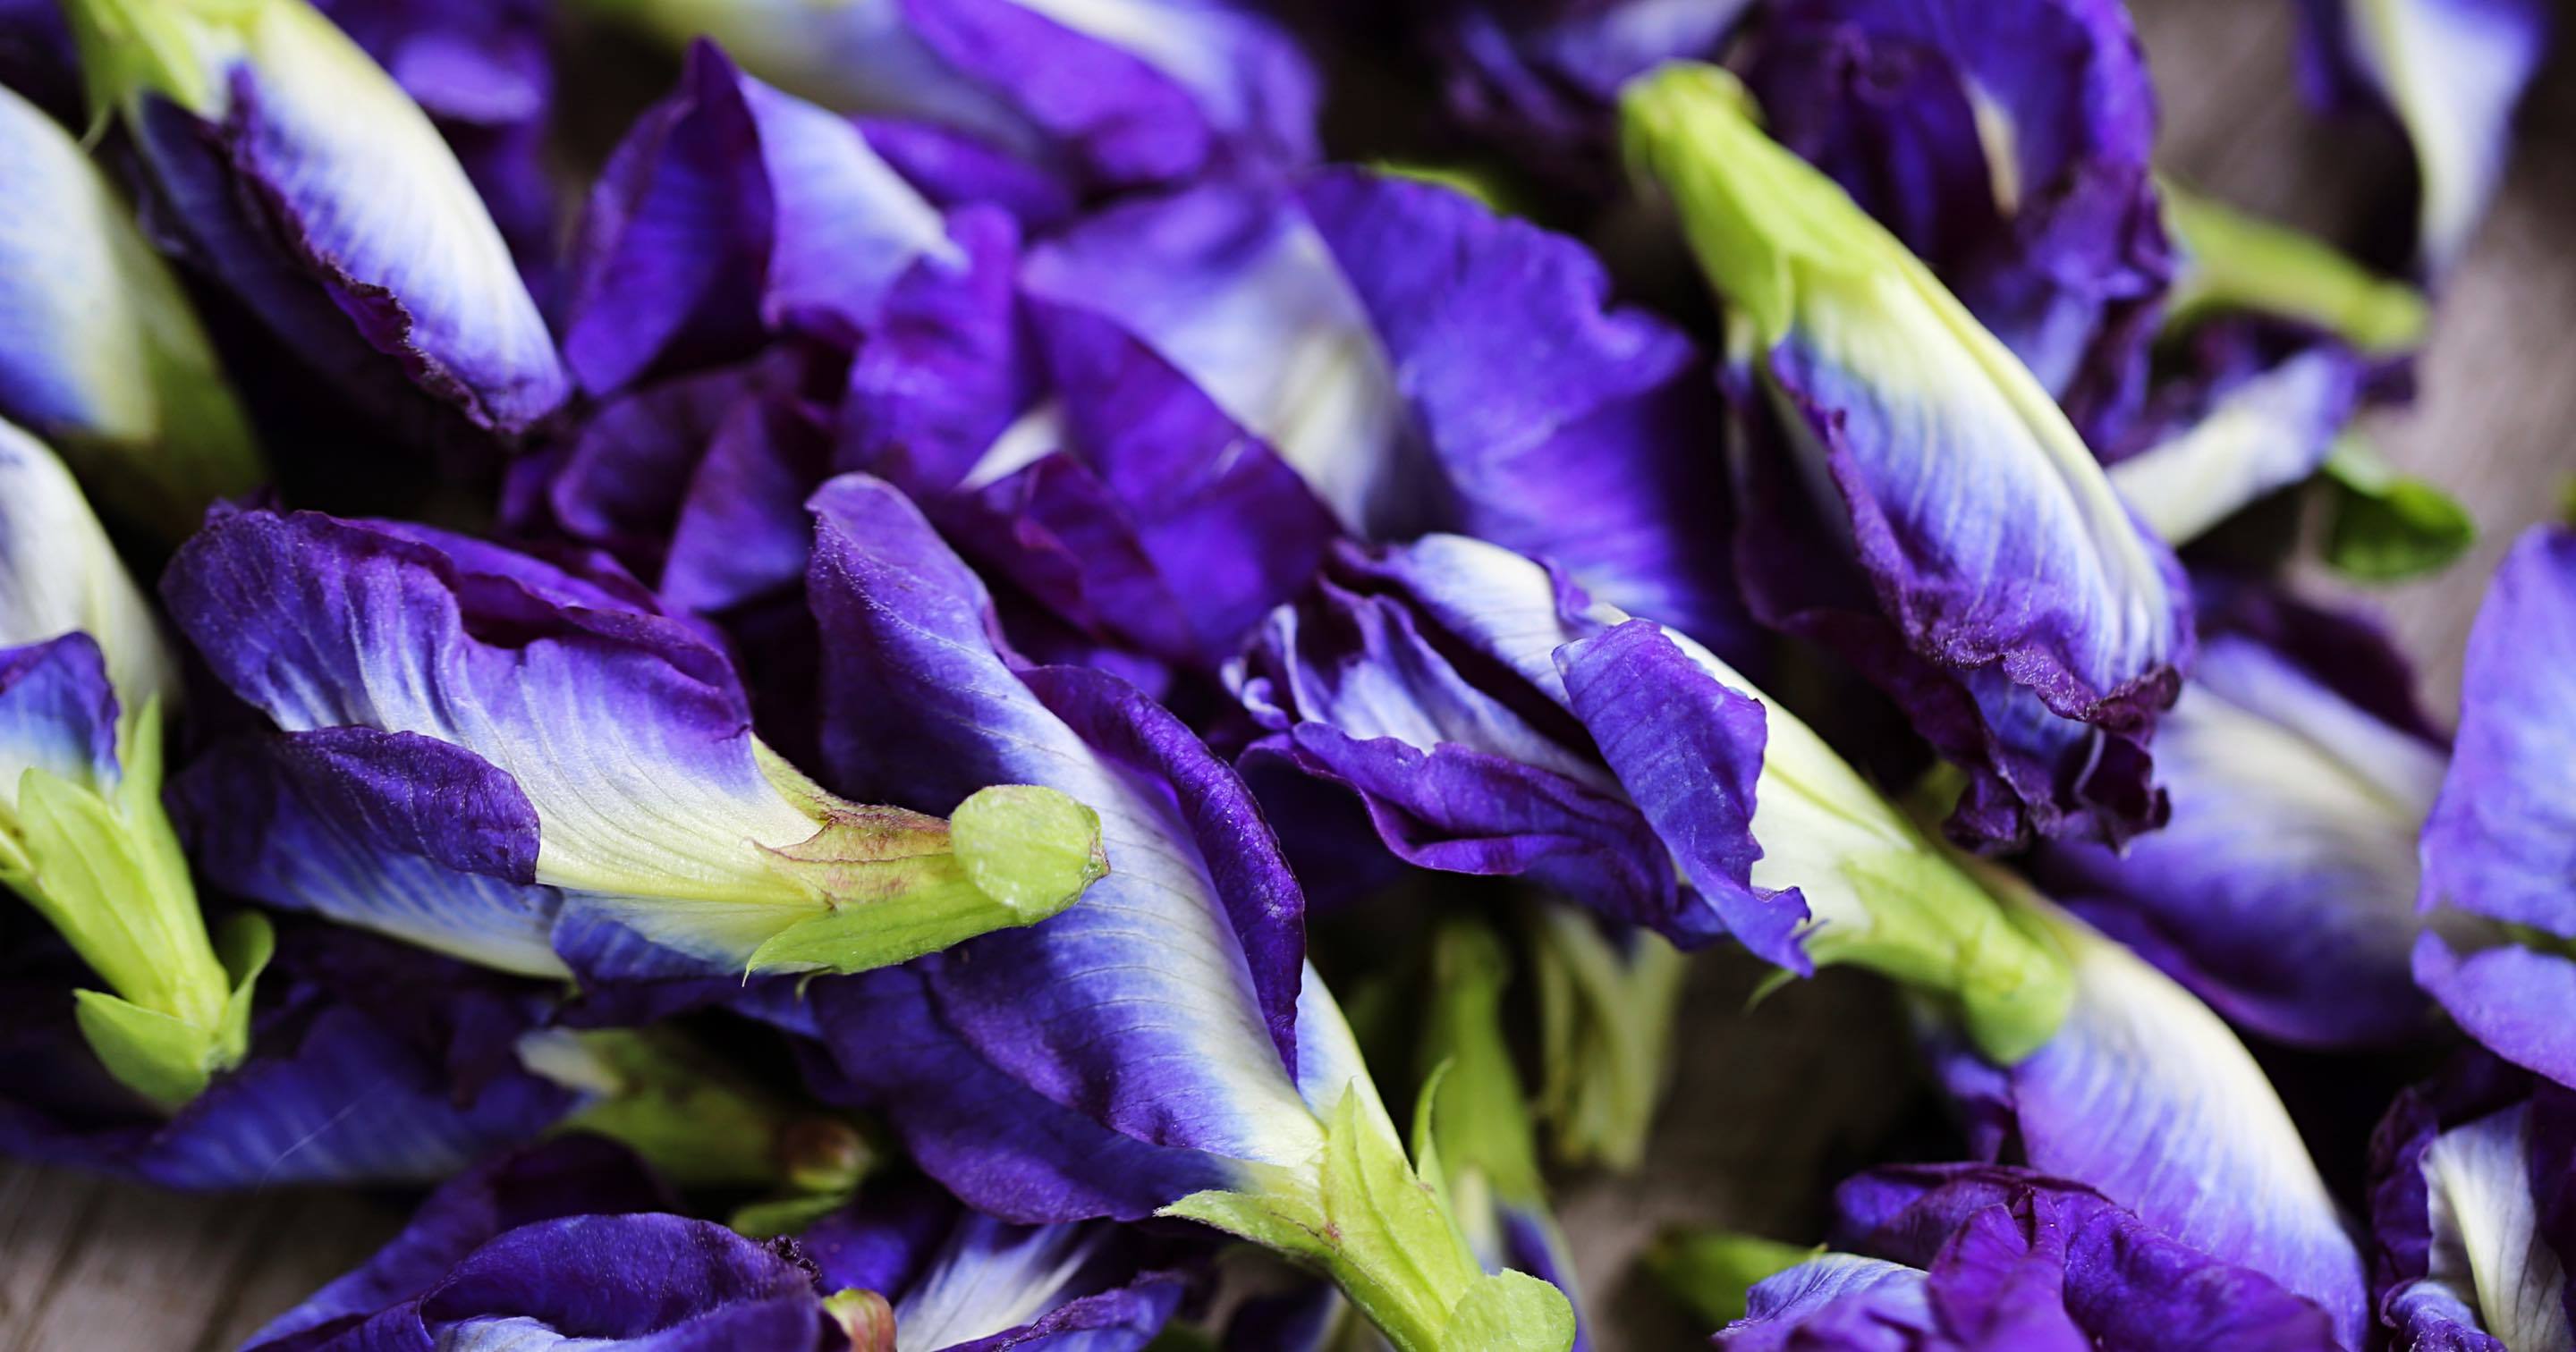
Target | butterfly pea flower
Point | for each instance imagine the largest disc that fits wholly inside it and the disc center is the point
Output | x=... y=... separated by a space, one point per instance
x=84 y=682
x=478 y=710
x=99 y=352
x=2449 y=74
x=1978 y=1256
x=2501 y=842
x=2007 y=146
x=1478 y=699
x=2283 y=890
x=1163 y=1048
x=1124 y=92
x=302 y=178
x=1497 y=720
x=367 y=1062
x=2470 y=1241
x=1915 y=499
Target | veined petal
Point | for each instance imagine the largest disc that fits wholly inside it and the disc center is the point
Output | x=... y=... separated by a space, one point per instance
x=99 y=352
x=2283 y=889
x=2450 y=72
x=1835 y=1301
x=2510 y=997
x=59 y=574
x=273 y=820
x=1562 y=427
x=1164 y=1006
x=2145 y=1096
x=1989 y=574
x=58 y=714
x=625 y=731
x=2487 y=1248
x=2502 y=840
x=1233 y=287
x=358 y=199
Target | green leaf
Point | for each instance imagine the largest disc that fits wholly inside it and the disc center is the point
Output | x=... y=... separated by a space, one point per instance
x=2389 y=527
x=2233 y=261
x=1710 y=1271
x=1606 y=1023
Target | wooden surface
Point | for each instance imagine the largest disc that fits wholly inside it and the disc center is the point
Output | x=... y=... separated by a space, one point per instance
x=1769 y=1106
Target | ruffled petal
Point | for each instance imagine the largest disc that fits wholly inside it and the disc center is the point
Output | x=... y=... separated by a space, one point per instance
x=2145 y=1096
x=1914 y=497
x=361 y=233
x=2008 y=146
x=2283 y=888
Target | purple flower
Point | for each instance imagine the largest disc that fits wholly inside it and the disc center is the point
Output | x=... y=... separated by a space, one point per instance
x=446 y=704
x=2008 y=146
x=1973 y=1256
x=1546 y=76
x=1162 y=1047
x=304 y=179
x=1914 y=499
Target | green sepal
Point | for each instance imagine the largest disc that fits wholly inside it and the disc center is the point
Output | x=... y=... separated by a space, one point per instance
x=1710 y=1271
x=1473 y=1115
x=1943 y=933
x=2388 y=527
x=2232 y=261
x=1380 y=1231
x=697 y=1120
x=101 y=863
x=1605 y=1036
x=897 y=885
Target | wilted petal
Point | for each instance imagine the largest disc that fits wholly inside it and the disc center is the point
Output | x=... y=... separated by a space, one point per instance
x=319 y=192
x=1965 y=547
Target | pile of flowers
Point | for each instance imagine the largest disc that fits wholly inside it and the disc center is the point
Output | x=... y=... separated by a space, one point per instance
x=910 y=674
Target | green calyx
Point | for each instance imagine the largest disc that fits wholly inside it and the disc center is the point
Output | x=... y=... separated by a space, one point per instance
x=2236 y=262
x=1761 y=221
x=895 y=885
x=173 y=49
x=1387 y=1237
x=101 y=863
x=1605 y=1025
